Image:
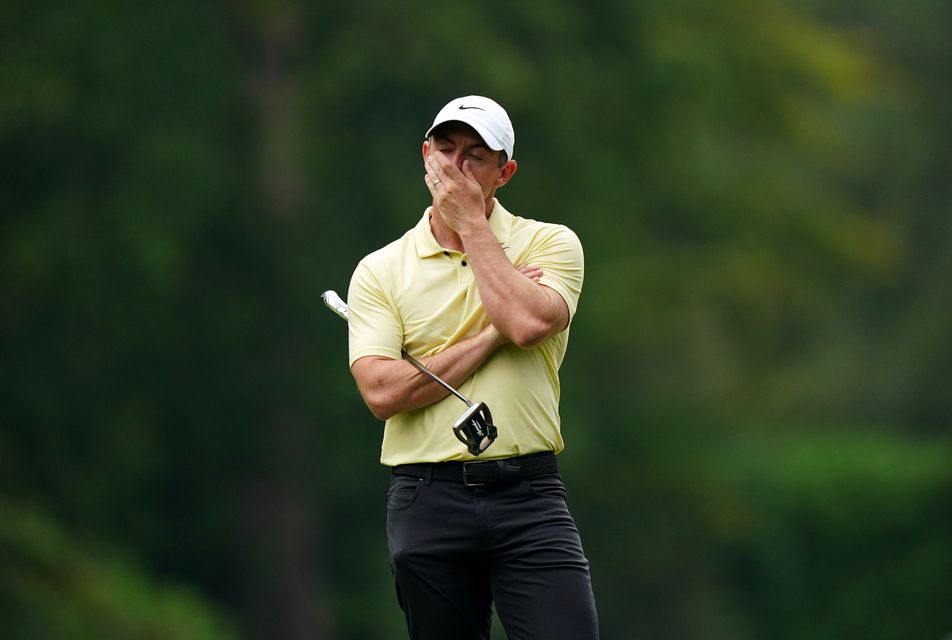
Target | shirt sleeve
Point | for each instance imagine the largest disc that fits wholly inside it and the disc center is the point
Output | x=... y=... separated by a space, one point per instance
x=559 y=253
x=373 y=325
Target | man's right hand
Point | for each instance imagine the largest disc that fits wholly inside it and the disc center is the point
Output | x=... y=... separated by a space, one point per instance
x=531 y=271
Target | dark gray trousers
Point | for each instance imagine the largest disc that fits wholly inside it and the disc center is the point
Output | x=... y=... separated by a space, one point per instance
x=456 y=551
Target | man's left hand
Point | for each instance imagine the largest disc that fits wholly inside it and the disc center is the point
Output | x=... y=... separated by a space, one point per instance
x=457 y=195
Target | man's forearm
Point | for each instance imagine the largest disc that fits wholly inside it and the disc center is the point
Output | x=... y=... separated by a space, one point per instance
x=523 y=311
x=392 y=386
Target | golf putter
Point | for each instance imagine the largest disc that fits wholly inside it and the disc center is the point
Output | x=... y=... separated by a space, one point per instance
x=474 y=428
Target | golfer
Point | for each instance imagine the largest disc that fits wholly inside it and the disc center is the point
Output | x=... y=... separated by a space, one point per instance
x=484 y=298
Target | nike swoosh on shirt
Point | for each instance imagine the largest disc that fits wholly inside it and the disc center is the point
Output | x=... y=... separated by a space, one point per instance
x=461 y=107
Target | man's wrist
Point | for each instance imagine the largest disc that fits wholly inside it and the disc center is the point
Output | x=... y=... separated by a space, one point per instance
x=473 y=229
x=495 y=336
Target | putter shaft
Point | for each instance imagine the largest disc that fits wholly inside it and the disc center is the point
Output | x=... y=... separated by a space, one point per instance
x=336 y=304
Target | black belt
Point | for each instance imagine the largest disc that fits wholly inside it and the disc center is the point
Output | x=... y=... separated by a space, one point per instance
x=478 y=473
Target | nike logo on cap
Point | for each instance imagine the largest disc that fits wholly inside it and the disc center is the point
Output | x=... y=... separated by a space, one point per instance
x=461 y=107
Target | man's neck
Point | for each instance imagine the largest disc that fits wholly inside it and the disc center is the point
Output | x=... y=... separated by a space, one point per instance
x=445 y=237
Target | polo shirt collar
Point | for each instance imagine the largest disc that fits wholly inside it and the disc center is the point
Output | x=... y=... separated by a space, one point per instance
x=500 y=222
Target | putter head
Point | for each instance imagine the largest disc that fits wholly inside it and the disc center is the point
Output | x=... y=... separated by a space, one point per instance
x=475 y=428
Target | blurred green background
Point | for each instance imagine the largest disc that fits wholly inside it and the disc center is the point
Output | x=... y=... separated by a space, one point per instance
x=757 y=399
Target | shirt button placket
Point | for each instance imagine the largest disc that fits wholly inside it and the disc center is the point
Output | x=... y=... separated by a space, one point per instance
x=465 y=273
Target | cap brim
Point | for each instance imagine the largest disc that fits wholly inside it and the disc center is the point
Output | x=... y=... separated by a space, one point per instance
x=491 y=141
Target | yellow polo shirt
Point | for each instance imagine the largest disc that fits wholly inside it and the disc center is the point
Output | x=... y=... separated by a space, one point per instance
x=413 y=294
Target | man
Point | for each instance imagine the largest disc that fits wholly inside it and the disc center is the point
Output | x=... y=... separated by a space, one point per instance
x=484 y=299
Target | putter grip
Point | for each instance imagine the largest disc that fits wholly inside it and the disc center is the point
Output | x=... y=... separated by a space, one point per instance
x=335 y=303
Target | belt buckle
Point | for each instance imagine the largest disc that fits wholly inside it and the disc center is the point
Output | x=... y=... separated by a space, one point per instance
x=466 y=482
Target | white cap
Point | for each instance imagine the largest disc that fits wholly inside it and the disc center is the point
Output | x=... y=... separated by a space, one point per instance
x=489 y=120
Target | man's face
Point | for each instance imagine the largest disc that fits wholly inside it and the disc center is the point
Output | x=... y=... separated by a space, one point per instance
x=461 y=145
